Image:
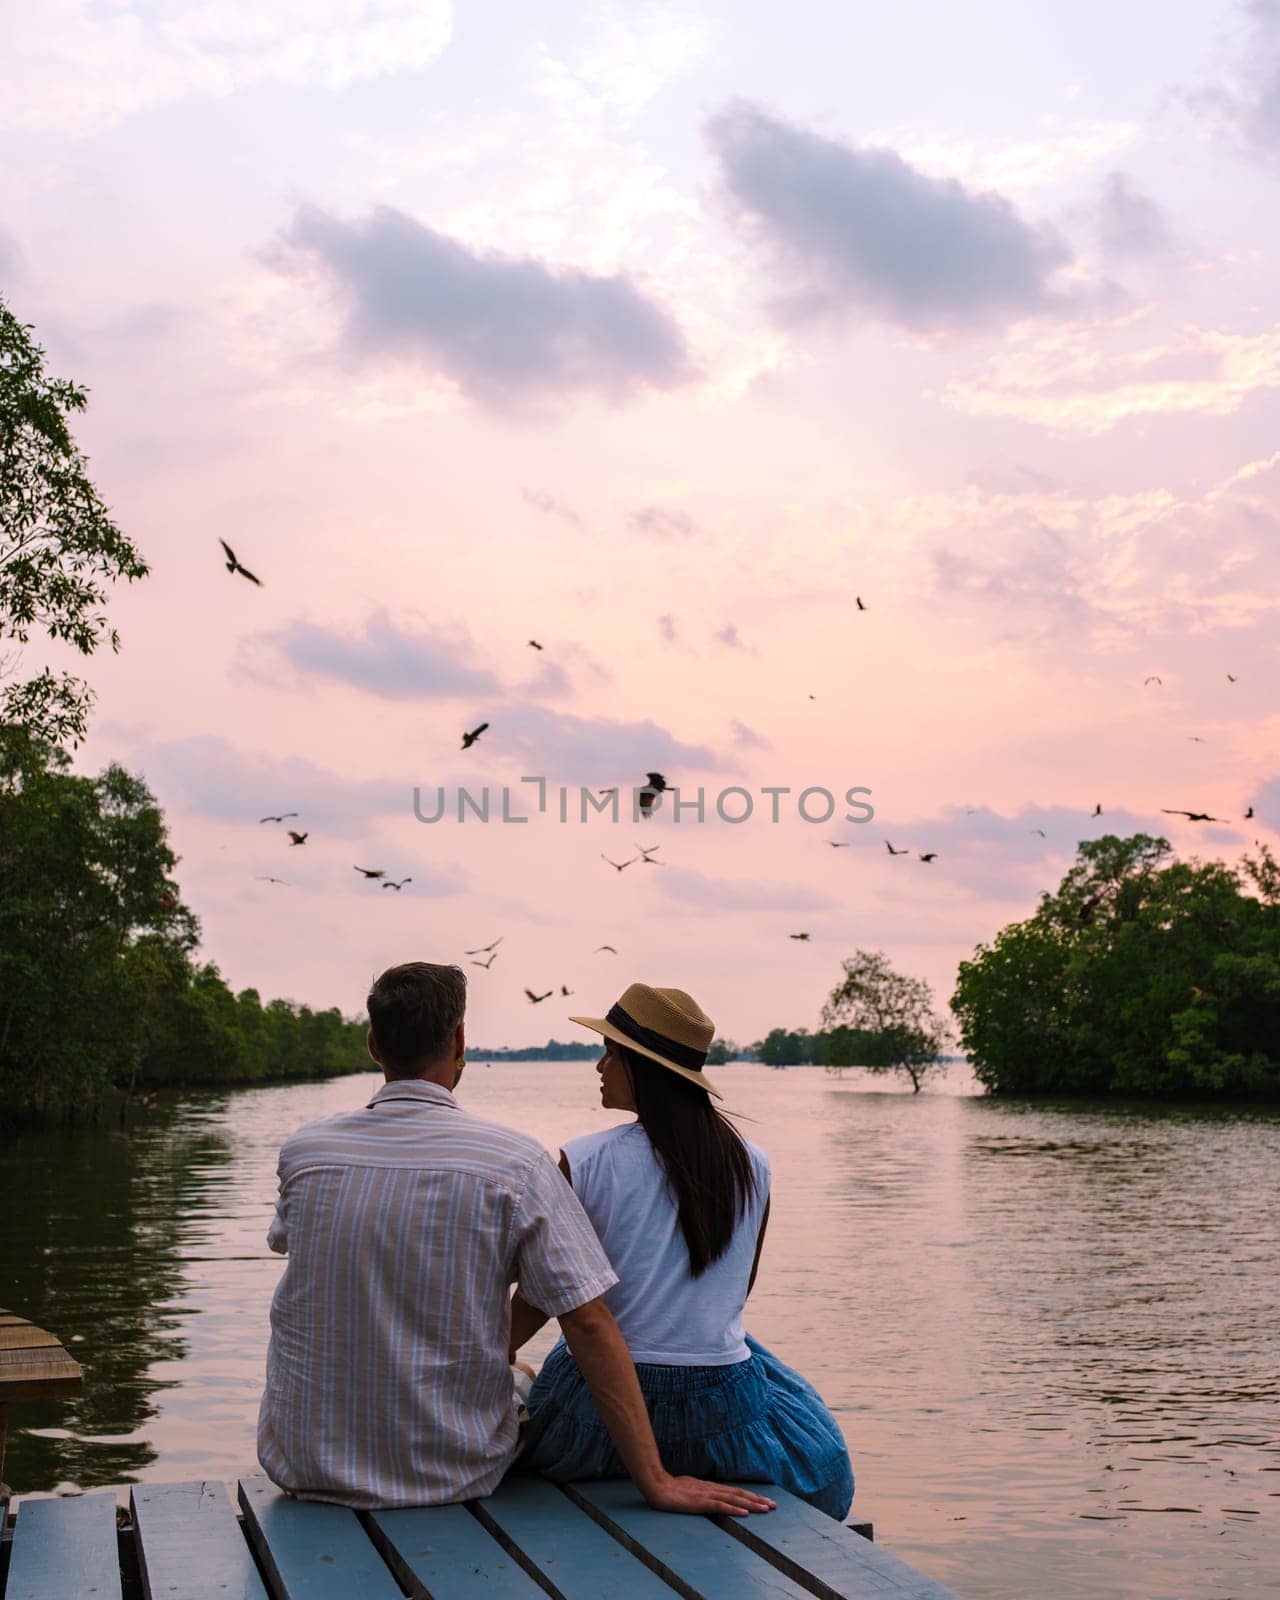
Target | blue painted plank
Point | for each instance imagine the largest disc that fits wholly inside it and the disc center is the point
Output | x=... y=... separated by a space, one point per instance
x=690 y=1553
x=65 y=1549
x=190 y=1545
x=311 y=1551
x=443 y=1551
x=565 y=1544
x=831 y=1560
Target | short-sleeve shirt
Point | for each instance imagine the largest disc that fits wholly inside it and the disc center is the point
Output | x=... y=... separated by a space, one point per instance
x=666 y=1315
x=406 y=1223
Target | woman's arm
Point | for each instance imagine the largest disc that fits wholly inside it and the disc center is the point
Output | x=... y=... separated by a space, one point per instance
x=755 y=1265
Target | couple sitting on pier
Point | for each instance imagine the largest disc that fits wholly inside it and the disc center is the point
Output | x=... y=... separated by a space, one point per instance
x=392 y=1371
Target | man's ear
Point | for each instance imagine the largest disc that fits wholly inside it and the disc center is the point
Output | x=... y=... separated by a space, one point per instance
x=460 y=1042
x=371 y=1047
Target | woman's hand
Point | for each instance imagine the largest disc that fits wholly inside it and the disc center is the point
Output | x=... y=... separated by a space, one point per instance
x=700 y=1498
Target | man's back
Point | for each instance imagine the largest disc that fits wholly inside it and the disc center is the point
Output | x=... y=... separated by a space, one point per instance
x=405 y=1224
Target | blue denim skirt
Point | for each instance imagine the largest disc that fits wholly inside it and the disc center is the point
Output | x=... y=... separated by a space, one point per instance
x=756 y=1422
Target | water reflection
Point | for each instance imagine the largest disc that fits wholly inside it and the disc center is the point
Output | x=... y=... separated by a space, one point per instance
x=1050 y=1332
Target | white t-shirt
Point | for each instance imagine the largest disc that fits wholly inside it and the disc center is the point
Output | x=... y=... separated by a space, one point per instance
x=667 y=1317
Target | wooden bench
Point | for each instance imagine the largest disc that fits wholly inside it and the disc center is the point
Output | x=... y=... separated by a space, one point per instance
x=530 y=1539
x=33 y=1366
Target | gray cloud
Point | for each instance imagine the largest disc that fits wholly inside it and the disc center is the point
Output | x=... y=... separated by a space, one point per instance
x=1266 y=803
x=667 y=627
x=860 y=228
x=1129 y=223
x=214 y=779
x=10 y=257
x=747 y=738
x=540 y=500
x=569 y=749
x=729 y=637
x=662 y=522
x=692 y=888
x=507 y=330
x=1246 y=107
x=384 y=659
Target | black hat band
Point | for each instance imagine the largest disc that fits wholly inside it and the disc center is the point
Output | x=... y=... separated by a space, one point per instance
x=681 y=1054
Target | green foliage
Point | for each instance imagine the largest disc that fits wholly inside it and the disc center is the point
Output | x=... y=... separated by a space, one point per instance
x=58 y=546
x=1143 y=975
x=721 y=1052
x=99 y=991
x=783 y=1048
x=882 y=1020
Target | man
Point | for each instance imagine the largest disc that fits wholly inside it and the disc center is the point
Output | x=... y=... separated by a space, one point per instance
x=405 y=1225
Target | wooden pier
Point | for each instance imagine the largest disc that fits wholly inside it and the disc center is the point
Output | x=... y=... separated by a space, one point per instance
x=530 y=1539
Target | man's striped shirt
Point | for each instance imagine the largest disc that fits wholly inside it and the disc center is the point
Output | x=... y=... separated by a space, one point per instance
x=406 y=1224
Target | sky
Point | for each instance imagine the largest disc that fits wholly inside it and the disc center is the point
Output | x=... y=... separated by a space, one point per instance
x=661 y=334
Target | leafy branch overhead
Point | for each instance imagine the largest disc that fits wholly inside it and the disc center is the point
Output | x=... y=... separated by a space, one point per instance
x=59 y=548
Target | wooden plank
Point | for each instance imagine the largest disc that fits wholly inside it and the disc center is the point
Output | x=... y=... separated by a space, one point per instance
x=444 y=1552
x=65 y=1549
x=189 y=1544
x=25 y=1336
x=39 y=1375
x=692 y=1554
x=565 y=1545
x=312 y=1551
x=828 y=1559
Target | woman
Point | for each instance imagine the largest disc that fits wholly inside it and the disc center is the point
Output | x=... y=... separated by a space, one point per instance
x=680 y=1201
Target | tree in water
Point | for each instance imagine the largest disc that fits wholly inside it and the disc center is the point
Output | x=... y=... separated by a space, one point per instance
x=882 y=1020
x=59 y=548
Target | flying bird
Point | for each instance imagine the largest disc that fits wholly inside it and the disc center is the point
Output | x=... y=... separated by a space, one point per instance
x=619 y=866
x=484 y=949
x=1196 y=739
x=614 y=790
x=894 y=852
x=653 y=788
x=298 y=838
x=233 y=564
x=486 y=964
x=1230 y=678
x=1097 y=810
x=1040 y=831
x=1248 y=816
x=1152 y=679
x=371 y=872
x=262 y=879
x=797 y=936
x=565 y=991
x=534 y=645
x=839 y=844
x=536 y=999
x=607 y=947
x=646 y=855
x=468 y=739
x=392 y=884
x=1192 y=816
x=858 y=598
x=929 y=855
x=280 y=818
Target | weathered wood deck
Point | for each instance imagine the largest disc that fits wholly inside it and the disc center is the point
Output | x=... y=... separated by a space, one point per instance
x=589 y=1541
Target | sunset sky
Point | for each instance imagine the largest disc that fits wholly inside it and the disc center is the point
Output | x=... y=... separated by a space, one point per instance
x=658 y=333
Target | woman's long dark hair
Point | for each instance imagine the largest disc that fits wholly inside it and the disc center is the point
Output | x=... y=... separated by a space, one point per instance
x=702 y=1154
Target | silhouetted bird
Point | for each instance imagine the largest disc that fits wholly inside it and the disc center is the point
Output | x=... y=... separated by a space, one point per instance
x=391 y=883
x=929 y=855
x=1097 y=810
x=646 y=854
x=298 y=838
x=564 y=991
x=618 y=866
x=654 y=786
x=858 y=598
x=1040 y=831
x=839 y=844
x=534 y=645
x=486 y=964
x=614 y=790
x=536 y=999
x=797 y=936
x=468 y=739
x=894 y=852
x=1230 y=679
x=233 y=564
x=1196 y=739
x=1087 y=907
x=1192 y=816
x=371 y=872
x=484 y=949
x=1152 y=679
x=280 y=818
x=601 y=947
x=283 y=881
x=1248 y=816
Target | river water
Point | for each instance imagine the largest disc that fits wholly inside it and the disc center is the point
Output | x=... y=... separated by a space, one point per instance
x=1051 y=1334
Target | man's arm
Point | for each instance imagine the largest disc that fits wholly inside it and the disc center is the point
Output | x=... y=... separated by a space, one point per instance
x=605 y=1362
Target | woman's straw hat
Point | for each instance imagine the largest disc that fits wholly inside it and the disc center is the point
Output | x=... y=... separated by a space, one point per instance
x=667 y=1025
